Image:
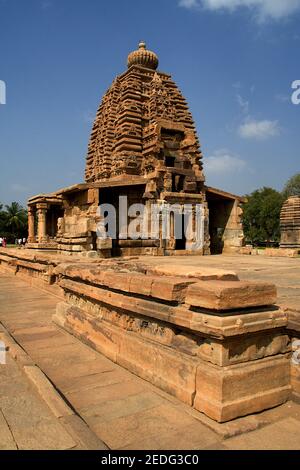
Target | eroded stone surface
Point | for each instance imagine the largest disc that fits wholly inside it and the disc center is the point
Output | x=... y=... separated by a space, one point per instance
x=83 y=369
x=290 y=223
x=144 y=146
x=228 y=295
x=147 y=323
x=25 y=420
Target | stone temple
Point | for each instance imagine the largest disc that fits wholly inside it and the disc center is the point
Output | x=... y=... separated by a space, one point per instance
x=220 y=344
x=290 y=223
x=144 y=146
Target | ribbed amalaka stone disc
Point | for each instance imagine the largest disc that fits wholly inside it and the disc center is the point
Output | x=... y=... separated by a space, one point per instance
x=143 y=57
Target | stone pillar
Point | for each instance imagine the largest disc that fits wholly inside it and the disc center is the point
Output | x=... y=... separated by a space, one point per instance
x=207 y=240
x=171 y=241
x=41 y=211
x=31 y=234
x=189 y=227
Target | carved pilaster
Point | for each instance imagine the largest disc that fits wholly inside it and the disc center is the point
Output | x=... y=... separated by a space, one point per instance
x=41 y=231
x=31 y=232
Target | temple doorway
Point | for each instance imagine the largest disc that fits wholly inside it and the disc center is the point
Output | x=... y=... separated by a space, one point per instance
x=220 y=208
x=180 y=243
x=53 y=214
x=111 y=195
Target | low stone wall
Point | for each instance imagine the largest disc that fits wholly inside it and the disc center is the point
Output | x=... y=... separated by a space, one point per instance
x=35 y=267
x=282 y=252
x=219 y=344
x=273 y=252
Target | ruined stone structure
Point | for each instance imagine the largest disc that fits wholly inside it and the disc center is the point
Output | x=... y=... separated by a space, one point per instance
x=290 y=223
x=144 y=146
x=219 y=344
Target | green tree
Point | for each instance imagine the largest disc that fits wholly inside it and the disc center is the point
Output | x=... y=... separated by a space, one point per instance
x=292 y=187
x=261 y=217
x=15 y=221
x=2 y=219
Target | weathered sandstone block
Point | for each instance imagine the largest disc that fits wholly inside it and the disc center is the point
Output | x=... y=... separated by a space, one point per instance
x=228 y=295
x=203 y=273
x=228 y=392
x=160 y=287
x=219 y=346
x=282 y=252
x=204 y=342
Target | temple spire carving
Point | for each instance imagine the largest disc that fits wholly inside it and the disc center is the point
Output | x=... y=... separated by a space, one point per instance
x=144 y=123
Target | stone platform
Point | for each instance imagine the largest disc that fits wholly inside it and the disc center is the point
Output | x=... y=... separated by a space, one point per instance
x=219 y=344
x=283 y=272
x=121 y=409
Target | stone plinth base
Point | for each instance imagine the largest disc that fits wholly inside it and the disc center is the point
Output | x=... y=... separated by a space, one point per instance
x=216 y=345
x=226 y=393
x=75 y=243
x=222 y=393
x=282 y=252
x=33 y=266
x=42 y=246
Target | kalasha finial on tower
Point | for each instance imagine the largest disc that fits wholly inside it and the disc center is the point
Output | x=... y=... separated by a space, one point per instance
x=143 y=57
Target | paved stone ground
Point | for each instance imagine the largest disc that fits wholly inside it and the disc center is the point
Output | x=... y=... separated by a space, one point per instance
x=284 y=272
x=123 y=410
x=25 y=420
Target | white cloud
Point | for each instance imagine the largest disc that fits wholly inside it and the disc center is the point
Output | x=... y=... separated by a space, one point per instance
x=237 y=85
x=259 y=130
x=262 y=9
x=223 y=162
x=244 y=104
x=188 y=3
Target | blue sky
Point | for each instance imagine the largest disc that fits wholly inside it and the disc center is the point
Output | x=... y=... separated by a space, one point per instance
x=234 y=61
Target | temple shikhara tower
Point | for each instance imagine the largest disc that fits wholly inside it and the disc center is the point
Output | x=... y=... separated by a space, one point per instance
x=219 y=344
x=144 y=146
x=290 y=223
x=143 y=127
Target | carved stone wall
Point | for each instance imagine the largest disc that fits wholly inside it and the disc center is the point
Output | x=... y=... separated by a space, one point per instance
x=144 y=124
x=143 y=135
x=290 y=223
